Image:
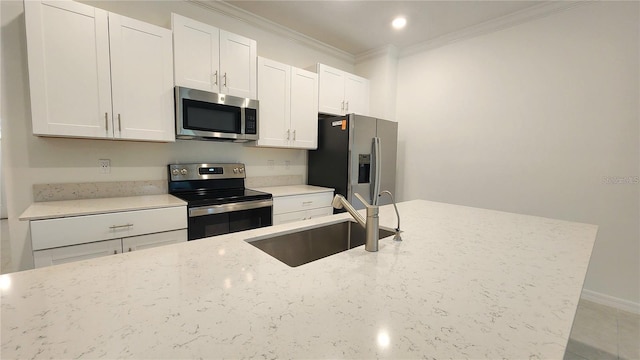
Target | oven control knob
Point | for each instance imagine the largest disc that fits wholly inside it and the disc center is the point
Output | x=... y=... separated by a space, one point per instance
x=235 y=170
x=183 y=171
x=241 y=170
x=175 y=172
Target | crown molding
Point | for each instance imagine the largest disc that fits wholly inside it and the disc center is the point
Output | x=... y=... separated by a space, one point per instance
x=503 y=22
x=246 y=17
x=386 y=51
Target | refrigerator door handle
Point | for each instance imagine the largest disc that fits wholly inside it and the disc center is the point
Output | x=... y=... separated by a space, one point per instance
x=375 y=169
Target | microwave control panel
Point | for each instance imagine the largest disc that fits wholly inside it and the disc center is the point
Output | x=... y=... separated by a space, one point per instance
x=250 y=121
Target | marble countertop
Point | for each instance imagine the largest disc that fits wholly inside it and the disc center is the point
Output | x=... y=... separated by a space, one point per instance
x=66 y=208
x=288 y=190
x=464 y=283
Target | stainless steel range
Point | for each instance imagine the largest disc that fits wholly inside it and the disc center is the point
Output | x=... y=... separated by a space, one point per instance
x=217 y=201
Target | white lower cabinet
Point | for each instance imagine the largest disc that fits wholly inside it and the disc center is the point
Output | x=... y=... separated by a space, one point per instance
x=92 y=250
x=67 y=254
x=62 y=240
x=301 y=207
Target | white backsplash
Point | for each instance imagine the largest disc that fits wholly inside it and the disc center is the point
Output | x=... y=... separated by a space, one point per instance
x=107 y=189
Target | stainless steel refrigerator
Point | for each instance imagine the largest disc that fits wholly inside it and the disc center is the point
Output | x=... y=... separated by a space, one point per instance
x=356 y=154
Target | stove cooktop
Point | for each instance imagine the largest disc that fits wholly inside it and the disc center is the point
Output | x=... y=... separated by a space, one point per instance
x=219 y=197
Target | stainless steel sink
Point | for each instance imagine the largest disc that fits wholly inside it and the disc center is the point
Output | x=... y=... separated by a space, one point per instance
x=301 y=247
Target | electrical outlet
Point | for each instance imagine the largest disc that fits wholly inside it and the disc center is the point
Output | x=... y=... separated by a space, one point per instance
x=104 y=166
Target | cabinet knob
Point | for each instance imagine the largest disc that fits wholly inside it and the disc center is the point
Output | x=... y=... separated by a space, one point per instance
x=129 y=249
x=115 y=252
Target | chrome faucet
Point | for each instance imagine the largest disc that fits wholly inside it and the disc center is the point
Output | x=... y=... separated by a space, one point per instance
x=396 y=237
x=370 y=224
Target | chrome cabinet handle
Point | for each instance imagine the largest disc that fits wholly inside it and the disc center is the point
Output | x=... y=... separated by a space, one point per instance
x=307 y=202
x=347 y=109
x=119 y=124
x=106 y=121
x=225 y=80
x=294 y=135
x=215 y=78
x=288 y=134
x=113 y=227
x=342 y=105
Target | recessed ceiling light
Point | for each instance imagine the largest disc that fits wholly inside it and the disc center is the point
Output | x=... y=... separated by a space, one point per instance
x=399 y=22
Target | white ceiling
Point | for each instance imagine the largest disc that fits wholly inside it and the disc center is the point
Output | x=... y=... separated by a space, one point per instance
x=359 y=26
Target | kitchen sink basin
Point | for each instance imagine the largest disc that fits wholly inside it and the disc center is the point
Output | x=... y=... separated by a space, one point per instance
x=305 y=246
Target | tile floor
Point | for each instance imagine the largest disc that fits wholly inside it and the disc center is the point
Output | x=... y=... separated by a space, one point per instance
x=601 y=333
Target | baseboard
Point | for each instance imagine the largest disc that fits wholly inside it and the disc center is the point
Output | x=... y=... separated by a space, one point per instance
x=611 y=301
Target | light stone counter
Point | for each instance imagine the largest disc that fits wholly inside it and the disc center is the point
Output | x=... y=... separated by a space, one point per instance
x=66 y=208
x=464 y=283
x=289 y=190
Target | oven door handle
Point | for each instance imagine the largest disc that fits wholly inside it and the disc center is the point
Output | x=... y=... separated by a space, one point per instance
x=225 y=208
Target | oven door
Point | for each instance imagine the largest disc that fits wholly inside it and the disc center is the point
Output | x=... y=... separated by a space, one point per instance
x=215 y=220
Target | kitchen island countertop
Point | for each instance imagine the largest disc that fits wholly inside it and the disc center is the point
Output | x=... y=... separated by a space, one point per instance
x=464 y=283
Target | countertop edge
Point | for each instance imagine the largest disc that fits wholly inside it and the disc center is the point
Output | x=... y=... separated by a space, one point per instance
x=70 y=208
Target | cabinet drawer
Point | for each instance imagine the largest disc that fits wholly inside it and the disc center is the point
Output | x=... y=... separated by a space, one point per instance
x=301 y=215
x=46 y=234
x=285 y=204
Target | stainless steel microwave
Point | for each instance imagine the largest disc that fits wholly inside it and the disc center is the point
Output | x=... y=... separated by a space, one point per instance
x=204 y=115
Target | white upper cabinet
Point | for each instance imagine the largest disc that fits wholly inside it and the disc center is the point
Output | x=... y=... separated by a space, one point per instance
x=141 y=80
x=288 y=106
x=304 y=109
x=69 y=71
x=195 y=54
x=78 y=88
x=209 y=59
x=274 y=94
x=341 y=92
x=238 y=65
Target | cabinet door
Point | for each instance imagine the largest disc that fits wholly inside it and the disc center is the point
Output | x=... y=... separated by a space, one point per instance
x=330 y=90
x=316 y=213
x=237 y=65
x=153 y=240
x=68 y=254
x=289 y=217
x=304 y=109
x=196 y=54
x=142 y=80
x=356 y=95
x=274 y=94
x=69 y=74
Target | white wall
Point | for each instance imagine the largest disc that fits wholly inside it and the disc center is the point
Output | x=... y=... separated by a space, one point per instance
x=28 y=160
x=531 y=119
x=380 y=68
